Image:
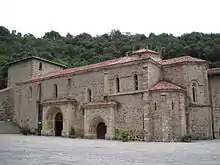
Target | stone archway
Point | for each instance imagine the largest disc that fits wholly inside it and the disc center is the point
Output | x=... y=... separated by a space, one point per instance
x=98 y=128
x=101 y=130
x=58 y=125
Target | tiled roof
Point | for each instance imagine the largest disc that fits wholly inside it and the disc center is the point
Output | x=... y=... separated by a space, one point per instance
x=112 y=62
x=180 y=60
x=38 y=58
x=141 y=51
x=92 y=66
x=212 y=71
x=164 y=85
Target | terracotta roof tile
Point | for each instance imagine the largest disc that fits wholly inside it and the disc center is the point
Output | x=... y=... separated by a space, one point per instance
x=180 y=60
x=92 y=66
x=141 y=51
x=164 y=85
x=112 y=62
x=212 y=71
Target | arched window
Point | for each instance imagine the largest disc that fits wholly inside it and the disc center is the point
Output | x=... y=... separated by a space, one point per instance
x=89 y=95
x=55 y=90
x=135 y=82
x=117 y=84
x=40 y=66
x=30 y=93
x=194 y=91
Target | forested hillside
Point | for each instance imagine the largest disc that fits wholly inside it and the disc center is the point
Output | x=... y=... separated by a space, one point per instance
x=84 y=49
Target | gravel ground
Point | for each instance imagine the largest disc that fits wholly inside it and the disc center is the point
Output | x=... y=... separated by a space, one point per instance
x=36 y=150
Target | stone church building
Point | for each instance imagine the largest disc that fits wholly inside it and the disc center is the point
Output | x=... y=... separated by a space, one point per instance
x=153 y=99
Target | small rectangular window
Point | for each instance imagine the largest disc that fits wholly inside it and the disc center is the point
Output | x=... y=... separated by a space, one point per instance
x=135 y=82
x=117 y=85
x=69 y=84
x=172 y=105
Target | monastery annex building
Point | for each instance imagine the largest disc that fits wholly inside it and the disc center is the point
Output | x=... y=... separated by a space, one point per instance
x=153 y=99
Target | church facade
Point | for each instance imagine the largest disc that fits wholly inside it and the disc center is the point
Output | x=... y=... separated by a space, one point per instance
x=151 y=98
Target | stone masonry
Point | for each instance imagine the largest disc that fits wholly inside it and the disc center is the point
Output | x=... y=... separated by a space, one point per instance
x=149 y=98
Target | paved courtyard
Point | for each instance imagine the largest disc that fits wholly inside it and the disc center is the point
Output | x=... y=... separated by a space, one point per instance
x=34 y=150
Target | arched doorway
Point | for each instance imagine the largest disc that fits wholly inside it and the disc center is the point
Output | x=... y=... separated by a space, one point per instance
x=58 y=124
x=101 y=130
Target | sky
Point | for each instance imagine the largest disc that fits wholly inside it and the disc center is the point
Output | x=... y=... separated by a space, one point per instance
x=97 y=17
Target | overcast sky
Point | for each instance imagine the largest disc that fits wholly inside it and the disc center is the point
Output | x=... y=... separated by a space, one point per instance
x=101 y=16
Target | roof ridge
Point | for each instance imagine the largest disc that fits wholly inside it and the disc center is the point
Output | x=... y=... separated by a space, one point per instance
x=36 y=57
x=164 y=85
x=110 y=62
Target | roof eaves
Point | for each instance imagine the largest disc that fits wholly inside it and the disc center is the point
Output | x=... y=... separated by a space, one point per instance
x=77 y=72
x=38 y=58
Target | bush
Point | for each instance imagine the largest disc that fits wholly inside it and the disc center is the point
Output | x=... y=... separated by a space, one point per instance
x=124 y=134
x=72 y=132
x=25 y=130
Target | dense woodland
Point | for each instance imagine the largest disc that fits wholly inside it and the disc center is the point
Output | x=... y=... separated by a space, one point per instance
x=84 y=49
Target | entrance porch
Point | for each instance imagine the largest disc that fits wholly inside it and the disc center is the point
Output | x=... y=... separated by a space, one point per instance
x=57 y=117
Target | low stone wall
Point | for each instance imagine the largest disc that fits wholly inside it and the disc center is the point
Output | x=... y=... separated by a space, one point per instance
x=7 y=127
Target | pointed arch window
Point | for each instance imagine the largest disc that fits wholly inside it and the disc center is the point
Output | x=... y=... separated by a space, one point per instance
x=89 y=95
x=194 y=88
x=55 y=90
x=117 y=84
x=136 y=82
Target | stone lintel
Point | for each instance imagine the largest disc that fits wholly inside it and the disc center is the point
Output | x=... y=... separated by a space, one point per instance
x=59 y=101
x=93 y=105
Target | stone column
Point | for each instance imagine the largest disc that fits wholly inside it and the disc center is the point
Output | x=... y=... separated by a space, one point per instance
x=110 y=134
x=164 y=107
x=86 y=124
x=66 y=120
x=46 y=131
x=147 y=118
x=182 y=116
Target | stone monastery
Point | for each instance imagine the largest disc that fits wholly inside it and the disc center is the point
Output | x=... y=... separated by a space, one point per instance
x=153 y=99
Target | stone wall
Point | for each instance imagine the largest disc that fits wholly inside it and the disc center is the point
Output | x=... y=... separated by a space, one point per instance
x=129 y=114
x=6 y=104
x=46 y=67
x=184 y=74
x=19 y=72
x=199 y=122
x=154 y=74
x=167 y=115
x=214 y=86
x=78 y=89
